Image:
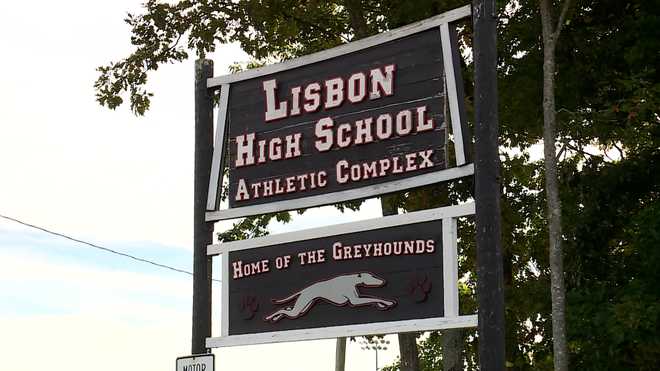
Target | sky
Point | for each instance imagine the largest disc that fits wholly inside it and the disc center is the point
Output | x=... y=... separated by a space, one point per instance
x=117 y=180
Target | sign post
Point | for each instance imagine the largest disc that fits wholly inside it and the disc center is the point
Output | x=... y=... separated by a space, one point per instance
x=490 y=286
x=203 y=230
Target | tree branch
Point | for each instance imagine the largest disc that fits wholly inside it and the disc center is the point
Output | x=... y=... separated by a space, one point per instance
x=562 y=18
x=357 y=18
x=619 y=149
x=582 y=151
x=607 y=156
x=561 y=152
x=312 y=25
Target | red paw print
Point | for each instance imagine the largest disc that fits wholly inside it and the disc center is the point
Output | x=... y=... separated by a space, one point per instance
x=249 y=306
x=419 y=288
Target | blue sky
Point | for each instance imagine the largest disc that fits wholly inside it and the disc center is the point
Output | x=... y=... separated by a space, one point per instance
x=56 y=296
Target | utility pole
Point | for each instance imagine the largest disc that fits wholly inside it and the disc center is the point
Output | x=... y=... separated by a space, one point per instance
x=490 y=285
x=203 y=231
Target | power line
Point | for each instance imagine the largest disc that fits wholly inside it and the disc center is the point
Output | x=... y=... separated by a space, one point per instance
x=106 y=249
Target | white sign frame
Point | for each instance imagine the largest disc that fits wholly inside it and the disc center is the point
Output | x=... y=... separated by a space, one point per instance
x=462 y=168
x=451 y=318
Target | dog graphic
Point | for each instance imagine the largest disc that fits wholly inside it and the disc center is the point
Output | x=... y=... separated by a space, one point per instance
x=340 y=291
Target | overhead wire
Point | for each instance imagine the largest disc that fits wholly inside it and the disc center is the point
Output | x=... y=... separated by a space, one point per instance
x=99 y=247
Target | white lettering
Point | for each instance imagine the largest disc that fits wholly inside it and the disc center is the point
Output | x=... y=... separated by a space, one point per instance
x=242 y=191
x=404 y=122
x=295 y=101
x=312 y=97
x=422 y=123
x=357 y=87
x=334 y=92
x=292 y=145
x=384 y=126
x=341 y=166
x=324 y=134
x=382 y=81
x=363 y=131
x=272 y=111
x=344 y=135
x=244 y=148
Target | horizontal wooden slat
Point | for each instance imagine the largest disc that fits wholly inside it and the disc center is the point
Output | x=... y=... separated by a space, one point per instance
x=345 y=331
x=351 y=194
x=377 y=223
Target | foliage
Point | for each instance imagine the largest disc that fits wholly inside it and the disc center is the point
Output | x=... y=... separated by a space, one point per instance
x=608 y=94
x=266 y=30
x=613 y=235
x=251 y=227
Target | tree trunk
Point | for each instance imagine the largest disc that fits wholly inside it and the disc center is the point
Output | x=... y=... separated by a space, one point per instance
x=558 y=291
x=452 y=349
x=358 y=22
x=408 y=351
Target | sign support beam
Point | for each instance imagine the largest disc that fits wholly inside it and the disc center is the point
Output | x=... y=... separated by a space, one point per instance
x=203 y=231
x=490 y=286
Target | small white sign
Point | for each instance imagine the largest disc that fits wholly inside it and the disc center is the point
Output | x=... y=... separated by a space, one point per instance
x=198 y=362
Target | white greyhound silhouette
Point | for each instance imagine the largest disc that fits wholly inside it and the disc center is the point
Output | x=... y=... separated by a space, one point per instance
x=340 y=291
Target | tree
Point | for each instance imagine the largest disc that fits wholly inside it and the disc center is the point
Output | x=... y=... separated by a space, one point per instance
x=612 y=235
x=557 y=288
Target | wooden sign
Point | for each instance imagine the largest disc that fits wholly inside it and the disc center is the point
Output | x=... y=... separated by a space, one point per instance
x=393 y=274
x=356 y=121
